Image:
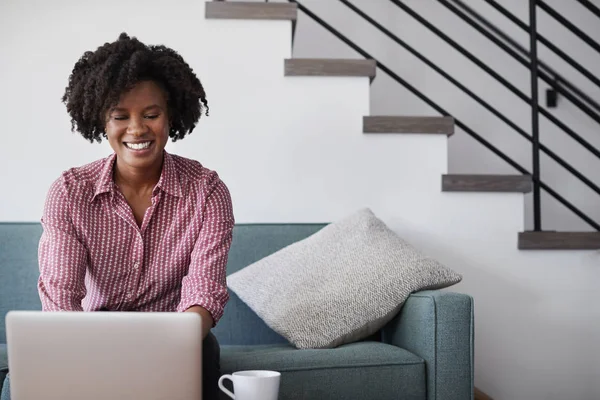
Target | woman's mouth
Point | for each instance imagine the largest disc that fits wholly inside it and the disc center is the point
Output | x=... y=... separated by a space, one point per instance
x=138 y=145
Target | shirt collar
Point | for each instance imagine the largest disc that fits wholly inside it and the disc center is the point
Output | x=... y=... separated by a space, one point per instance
x=105 y=183
x=169 y=178
x=168 y=182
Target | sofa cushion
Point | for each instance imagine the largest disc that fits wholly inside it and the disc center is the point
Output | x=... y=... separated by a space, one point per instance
x=18 y=269
x=364 y=370
x=252 y=242
x=339 y=285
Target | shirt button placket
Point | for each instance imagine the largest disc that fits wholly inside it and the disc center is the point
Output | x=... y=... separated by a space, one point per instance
x=136 y=267
x=134 y=280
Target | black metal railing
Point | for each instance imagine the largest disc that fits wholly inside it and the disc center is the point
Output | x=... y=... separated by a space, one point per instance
x=528 y=58
x=587 y=4
x=536 y=145
x=536 y=109
x=575 y=97
x=569 y=60
x=535 y=118
x=474 y=96
x=557 y=83
x=568 y=24
x=490 y=71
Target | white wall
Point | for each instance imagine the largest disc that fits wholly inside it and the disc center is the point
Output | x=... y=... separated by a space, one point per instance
x=467 y=155
x=292 y=150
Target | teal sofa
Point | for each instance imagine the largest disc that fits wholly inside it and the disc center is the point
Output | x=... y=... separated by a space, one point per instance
x=425 y=352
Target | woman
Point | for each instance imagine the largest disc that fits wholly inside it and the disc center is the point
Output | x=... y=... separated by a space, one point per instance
x=141 y=230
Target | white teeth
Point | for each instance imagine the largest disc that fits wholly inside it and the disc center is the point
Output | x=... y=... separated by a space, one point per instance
x=138 y=146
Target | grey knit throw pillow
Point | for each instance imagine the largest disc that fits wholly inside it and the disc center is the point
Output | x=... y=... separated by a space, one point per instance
x=339 y=285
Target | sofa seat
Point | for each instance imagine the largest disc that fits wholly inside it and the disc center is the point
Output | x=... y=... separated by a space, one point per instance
x=3 y=364
x=341 y=373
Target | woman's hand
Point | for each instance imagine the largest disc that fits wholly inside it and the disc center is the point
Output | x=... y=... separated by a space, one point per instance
x=207 y=320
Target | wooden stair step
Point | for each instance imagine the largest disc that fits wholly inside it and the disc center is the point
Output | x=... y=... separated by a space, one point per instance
x=487 y=183
x=400 y=124
x=551 y=240
x=329 y=67
x=251 y=10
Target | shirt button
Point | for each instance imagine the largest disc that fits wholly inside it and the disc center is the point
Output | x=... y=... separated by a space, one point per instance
x=136 y=265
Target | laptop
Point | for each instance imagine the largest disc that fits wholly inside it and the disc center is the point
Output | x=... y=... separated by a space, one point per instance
x=104 y=355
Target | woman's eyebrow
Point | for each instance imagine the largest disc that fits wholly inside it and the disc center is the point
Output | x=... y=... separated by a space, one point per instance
x=121 y=109
x=152 y=106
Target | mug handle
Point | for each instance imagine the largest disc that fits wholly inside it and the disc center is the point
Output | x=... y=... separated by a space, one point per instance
x=223 y=388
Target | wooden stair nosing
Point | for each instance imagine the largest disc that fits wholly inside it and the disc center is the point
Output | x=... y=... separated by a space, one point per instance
x=408 y=124
x=550 y=240
x=487 y=183
x=330 y=67
x=251 y=10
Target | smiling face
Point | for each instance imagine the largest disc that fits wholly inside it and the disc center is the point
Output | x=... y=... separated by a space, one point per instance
x=138 y=127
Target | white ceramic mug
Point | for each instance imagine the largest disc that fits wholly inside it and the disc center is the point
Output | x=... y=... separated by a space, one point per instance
x=252 y=385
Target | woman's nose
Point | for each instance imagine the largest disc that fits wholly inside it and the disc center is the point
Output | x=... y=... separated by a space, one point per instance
x=136 y=126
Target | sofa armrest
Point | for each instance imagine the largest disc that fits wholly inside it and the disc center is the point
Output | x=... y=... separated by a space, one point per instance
x=438 y=327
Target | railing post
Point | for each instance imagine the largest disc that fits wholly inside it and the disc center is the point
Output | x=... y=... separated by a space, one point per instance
x=535 y=126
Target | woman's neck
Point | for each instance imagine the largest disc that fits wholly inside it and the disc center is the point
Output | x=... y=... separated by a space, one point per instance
x=138 y=180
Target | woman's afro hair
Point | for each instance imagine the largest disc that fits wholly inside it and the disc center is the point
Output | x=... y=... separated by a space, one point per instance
x=100 y=77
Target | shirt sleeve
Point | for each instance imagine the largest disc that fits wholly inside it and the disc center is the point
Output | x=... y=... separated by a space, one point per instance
x=205 y=284
x=62 y=257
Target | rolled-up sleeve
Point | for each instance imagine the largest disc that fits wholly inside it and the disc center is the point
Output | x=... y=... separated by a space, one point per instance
x=62 y=257
x=205 y=284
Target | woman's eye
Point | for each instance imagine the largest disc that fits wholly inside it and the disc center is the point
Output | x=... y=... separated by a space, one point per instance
x=152 y=116
x=120 y=117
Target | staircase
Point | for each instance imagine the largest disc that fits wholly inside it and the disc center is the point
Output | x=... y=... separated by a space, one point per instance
x=389 y=124
x=315 y=154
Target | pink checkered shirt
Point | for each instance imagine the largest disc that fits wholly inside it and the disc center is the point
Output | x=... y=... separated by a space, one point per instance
x=93 y=255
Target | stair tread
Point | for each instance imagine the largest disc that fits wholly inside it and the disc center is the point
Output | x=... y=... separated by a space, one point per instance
x=408 y=124
x=487 y=183
x=251 y=10
x=552 y=240
x=329 y=67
